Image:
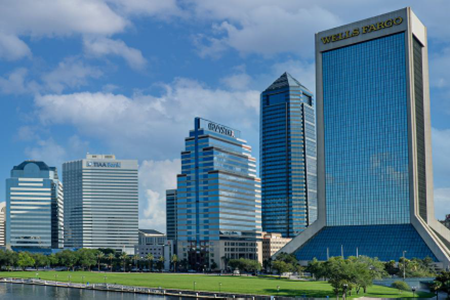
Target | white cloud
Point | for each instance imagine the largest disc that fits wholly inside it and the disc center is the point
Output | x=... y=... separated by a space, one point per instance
x=104 y=46
x=59 y=18
x=71 y=73
x=441 y=159
x=12 y=48
x=239 y=81
x=48 y=151
x=303 y=71
x=148 y=126
x=16 y=83
x=156 y=8
x=155 y=177
x=264 y=27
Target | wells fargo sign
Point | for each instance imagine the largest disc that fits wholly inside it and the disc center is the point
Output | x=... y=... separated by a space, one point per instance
x=363 y=30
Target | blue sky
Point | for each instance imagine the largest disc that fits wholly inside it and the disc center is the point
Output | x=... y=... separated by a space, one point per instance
x=128 y=77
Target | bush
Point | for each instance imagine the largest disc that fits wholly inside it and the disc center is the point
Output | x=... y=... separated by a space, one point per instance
x=401 y=285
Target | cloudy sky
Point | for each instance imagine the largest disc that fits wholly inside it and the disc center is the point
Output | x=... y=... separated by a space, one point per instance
x=128 y=76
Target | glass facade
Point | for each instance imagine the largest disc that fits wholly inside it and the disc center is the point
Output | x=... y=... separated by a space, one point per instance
x=218 y=196
x=366 y=133
x=101 y=203
x=391 y=241
x=35 y=203
x=288 y=157
x=171 y=214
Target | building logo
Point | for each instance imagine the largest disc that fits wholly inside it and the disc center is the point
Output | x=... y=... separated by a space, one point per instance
x=220 y=129
x=365 y=29
x=103 y=164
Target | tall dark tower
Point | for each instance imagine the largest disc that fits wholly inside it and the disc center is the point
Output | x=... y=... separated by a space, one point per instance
x=288 y=157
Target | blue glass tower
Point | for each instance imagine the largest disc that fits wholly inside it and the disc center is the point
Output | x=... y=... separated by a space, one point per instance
x=375 y=180
x=288 y=157
x=34 y=208
x=218 y=198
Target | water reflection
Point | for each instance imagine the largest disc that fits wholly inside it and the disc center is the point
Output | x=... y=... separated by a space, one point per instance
x=29 y=292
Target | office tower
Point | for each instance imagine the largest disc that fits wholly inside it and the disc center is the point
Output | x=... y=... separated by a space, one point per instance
x=218 y=198
x=34 y=208
x=171 y=214
x=288 y=157
x=375 y=180
x=101 y=208
x=2 y=223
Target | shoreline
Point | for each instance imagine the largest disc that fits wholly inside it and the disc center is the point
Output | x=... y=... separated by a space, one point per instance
x=137 y=290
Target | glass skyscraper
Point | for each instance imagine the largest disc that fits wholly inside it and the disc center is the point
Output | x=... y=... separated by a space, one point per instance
x=101 y=196
x=218 y=198
x=171 y=214
x=375 y=181
x=34 y=208
x=288 y=157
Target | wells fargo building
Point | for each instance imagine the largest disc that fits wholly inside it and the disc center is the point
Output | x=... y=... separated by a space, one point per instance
x=375 y=180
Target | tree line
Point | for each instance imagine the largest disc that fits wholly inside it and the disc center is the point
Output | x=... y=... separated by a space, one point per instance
x=83 y=259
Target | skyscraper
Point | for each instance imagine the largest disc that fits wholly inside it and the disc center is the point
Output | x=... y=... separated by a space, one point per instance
x=171 y=214
x=101 y=208
x=2 y=223
x=34 y=208
x=218 y=198
x=288 y=157
x=375 y=180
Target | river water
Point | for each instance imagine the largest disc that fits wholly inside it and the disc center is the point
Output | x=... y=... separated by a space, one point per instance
x=30 y=292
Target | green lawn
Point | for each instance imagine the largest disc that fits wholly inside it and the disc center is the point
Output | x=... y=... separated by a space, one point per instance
x=245 y=285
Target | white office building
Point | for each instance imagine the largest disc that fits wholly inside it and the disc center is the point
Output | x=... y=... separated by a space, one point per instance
x=101 y=203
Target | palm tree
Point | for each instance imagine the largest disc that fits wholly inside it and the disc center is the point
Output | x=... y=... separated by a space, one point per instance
x=111 y=257
x=124 y=257
x=174 y=260
x=100 y=255
x=150 y=259
x=161 y=263
x=136 y=259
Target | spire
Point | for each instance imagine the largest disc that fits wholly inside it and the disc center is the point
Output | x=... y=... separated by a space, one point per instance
x=285 y=80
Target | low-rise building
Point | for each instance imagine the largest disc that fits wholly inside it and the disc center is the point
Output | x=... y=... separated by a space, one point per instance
x=156 y=243
x=272 y=243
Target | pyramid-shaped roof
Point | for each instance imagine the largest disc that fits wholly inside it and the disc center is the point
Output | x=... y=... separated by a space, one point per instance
x=285 y=80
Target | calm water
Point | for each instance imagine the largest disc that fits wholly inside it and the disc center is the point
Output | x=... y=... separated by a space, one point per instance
x=31 y=292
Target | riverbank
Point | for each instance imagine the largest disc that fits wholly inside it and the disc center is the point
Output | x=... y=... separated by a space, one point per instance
x=190 y=284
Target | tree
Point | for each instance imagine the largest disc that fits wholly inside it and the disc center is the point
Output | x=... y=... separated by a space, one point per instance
x=136 y=259
x=174 y=260
x=161 y=261
x=111 y=256
x=25 y=260
x=53 y=260
x=267 y=264
x=443 y=280
x=100 y=255
x=213 y=265
x=316 y=268
x=86 y=257
x=281 y=267
x=150 y=258
x=124 y=258
x=40 y=260
x=67 y=258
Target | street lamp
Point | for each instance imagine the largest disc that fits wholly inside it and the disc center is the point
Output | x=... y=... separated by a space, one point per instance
x=70 y=278
x=104 y=278
x=220 y=287
x=56 y=276
x=278 y=289
x=195 y=284
x=414 y=291
x=404 y=265
x=82 y=279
